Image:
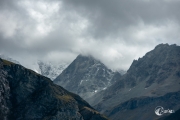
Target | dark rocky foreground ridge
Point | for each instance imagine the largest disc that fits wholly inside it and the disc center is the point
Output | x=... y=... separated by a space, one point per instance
x=26 y=95
x=141 y=89
x=86 y=76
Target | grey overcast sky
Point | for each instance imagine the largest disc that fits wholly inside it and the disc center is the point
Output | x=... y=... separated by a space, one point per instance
x=113 y=31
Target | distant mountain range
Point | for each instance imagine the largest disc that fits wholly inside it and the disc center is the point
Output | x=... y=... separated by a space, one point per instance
x=151 y=81
x=47 y=68
x=26 y=95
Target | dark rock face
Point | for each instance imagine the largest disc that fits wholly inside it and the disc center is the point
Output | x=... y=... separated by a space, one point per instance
x=4 y=96
x=26 y=95
x=158 y=64
x=154 y=75
x=85 y=76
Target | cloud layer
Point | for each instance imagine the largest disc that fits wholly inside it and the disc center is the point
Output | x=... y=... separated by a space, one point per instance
x=115 y=32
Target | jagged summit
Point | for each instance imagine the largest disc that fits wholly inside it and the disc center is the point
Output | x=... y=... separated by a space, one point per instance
x=162 y=45
x=85 y=76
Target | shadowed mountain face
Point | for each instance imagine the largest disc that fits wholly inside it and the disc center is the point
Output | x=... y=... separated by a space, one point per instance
x=86 y=76
x=26 y=95
x=154 y=75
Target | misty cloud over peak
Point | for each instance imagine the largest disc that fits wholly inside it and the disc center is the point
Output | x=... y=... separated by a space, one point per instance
x=115 y=32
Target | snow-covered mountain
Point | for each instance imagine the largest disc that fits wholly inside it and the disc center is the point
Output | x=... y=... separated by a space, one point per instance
x=50 y=69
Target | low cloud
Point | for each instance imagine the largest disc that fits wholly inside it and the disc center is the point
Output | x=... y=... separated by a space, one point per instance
x=115 y=32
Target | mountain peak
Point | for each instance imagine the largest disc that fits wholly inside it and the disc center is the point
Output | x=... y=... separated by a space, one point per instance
x=165 y=45
x=85 y=76
x=89 y=58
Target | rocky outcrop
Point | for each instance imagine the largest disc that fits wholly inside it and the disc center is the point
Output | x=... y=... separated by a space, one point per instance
x=86 y=76
x=26 y=95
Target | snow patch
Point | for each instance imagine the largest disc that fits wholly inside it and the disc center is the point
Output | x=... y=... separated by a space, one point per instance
x=37 y=71
x=95 y=91
x=104 y=88
x=81 y=82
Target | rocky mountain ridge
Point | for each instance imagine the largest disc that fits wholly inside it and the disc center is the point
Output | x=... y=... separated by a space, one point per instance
x=26 y=95
x=9 y=59
x=154 y=75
